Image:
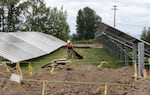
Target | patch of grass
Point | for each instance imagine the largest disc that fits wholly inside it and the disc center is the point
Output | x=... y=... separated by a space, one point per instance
x=92 y=56
x=95 y=56
x=37 y=63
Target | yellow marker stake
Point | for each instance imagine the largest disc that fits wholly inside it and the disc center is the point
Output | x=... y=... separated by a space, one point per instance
x=105 y=90
x=148 y=60
x=19 y=70
x=135 y=71
x=4 y=63
x=30 y=69
x=19 y=73
x=103 y=62
x=53 y=69
x=44 y=87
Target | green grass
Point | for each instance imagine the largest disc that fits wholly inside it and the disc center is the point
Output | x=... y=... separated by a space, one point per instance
x=90 y=56
x=39 y=62
x=95 y=56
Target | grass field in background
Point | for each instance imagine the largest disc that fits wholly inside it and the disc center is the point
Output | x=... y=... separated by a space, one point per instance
x=95 y=56
x=90 y=56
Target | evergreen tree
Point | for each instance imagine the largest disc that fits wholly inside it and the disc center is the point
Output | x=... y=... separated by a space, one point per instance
x=57 y=24
x=87 y=23
x=146 y=35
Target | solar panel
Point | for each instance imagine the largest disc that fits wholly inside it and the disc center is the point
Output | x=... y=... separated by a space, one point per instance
x=20 y=46
x=121 y=37
x=124 y=47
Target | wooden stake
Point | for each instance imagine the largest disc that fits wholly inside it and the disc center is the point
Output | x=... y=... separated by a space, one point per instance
x=44 y=87
x=135 y=71
x=52 y=71
x=105 y=90
x=144 y=73
x=19 y=70
x=4 y=63
x=30 y=69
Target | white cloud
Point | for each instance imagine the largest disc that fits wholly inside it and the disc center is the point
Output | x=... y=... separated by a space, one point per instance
x=134 y=12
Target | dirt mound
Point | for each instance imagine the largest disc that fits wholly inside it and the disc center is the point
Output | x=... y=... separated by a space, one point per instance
x=87 y=73
x=77 y=80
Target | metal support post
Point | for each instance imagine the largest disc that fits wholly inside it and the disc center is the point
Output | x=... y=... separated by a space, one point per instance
x=125 y=57
x=134 y=54
x=140 y=59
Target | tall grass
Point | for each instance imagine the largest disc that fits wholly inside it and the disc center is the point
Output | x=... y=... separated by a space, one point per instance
x=92 y=56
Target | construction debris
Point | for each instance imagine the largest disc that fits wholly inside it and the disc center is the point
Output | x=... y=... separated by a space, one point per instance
x=76 y=54
x=56 y=62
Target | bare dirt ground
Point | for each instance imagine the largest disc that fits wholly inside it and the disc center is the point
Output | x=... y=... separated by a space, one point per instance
x=76 y=80
x=96 y=45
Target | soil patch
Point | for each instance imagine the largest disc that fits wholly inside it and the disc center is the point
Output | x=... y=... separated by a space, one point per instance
x=76 y=80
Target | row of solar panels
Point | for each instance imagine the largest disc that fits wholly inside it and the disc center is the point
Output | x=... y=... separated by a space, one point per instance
x=121 y=37
x=20 y=46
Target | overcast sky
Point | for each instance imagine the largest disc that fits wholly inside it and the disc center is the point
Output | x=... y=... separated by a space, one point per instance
x=131 y=17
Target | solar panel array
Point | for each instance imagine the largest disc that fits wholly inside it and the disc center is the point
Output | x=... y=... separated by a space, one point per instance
x=120 y=44
x=20 y=46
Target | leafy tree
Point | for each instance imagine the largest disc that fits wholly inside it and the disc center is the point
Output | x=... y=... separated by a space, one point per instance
x=146 y=34
x=48 y=20
x=57 y=24
x=3 y=15
x=10 y=12
x=33 y=15
x=87 y=23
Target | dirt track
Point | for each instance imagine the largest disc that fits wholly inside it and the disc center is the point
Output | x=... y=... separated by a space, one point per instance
x=79 y=80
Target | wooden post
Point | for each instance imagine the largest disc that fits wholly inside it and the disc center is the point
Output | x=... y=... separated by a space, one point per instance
x=135 y=60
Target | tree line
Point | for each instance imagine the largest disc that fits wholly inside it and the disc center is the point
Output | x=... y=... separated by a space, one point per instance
x=33 y=15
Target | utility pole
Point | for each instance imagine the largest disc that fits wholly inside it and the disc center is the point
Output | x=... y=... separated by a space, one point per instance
x=114 y=8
